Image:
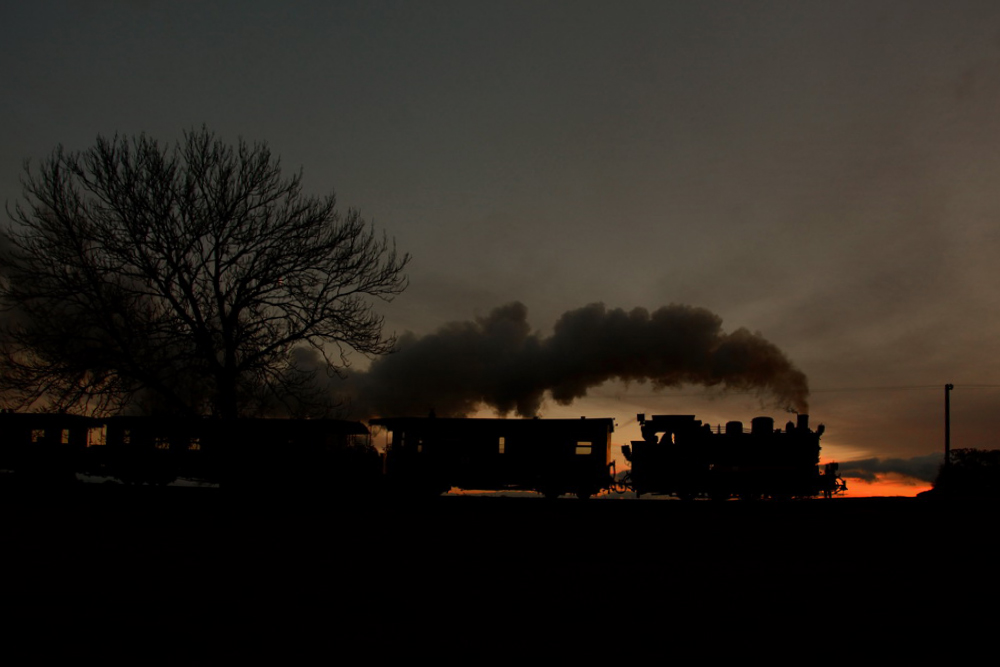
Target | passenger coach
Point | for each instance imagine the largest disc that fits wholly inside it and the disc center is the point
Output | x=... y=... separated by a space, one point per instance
x=550 y=456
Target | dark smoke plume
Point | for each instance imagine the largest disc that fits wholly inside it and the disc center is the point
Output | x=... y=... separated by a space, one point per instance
x=498 y=362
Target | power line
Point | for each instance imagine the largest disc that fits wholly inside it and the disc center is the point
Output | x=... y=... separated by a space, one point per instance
x=905 y=387
x=721 y=393
x=881 y=388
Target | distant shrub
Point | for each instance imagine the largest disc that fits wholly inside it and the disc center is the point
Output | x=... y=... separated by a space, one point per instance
x=973 y=472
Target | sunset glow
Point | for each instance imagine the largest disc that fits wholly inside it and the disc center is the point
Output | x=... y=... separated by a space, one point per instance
x=885 y=485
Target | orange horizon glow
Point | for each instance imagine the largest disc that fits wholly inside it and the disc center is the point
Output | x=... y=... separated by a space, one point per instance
x=885 y=485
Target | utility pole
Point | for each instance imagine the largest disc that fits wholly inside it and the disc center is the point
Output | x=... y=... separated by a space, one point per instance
x=947 y=423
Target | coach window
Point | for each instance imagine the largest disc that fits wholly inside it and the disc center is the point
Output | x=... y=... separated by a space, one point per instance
x=64 y=439
x=194 y=444
x=161 y=442
x=37 y=435
x=501 y=445
x=584 y=448
x=97 y=436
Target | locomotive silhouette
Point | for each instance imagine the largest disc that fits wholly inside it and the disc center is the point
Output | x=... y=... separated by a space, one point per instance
x=678 y=455
x=683 y=457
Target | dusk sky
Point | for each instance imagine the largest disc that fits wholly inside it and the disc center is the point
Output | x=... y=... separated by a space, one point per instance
x=823 y=173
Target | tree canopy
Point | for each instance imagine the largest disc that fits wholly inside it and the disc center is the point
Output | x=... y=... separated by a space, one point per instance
x=182 y=277
x=970 y=473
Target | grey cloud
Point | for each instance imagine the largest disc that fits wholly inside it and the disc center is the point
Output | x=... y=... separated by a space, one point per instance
x=922 y=468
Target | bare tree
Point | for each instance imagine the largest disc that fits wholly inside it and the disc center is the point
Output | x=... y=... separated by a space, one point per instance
x=186 y=274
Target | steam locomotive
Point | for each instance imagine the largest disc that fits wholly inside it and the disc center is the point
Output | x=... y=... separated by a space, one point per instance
x=678 y=455
x=681 y=456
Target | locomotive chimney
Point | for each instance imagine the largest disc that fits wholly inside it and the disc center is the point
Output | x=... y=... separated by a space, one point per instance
x=803 y=424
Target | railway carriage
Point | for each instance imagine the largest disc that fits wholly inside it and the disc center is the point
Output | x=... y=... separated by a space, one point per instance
x=432 y=455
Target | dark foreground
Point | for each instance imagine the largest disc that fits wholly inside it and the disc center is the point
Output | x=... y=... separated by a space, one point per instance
x=861 y=561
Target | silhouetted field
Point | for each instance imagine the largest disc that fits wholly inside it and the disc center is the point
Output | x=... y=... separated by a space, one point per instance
x=849 y=558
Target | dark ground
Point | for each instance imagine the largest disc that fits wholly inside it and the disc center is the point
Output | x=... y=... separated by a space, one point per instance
x=854 y=565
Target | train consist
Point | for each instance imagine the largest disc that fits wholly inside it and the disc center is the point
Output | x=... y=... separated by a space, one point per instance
x=678 y=455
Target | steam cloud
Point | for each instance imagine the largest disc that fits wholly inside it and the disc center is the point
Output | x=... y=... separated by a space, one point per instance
x=497 y=361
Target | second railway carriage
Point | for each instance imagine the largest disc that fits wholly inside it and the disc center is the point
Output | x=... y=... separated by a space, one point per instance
x=261 y=454
x=42 y=448
x=287 y=455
